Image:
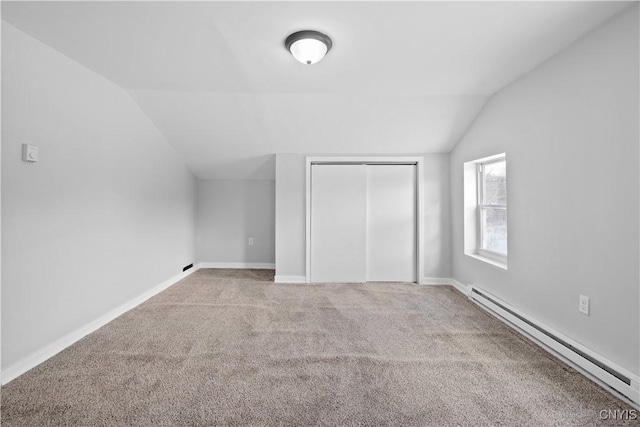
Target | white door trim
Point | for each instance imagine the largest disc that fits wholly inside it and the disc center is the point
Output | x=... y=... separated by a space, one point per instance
x=400 y=160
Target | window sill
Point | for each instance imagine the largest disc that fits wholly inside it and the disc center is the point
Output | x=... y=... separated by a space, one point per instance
x=500 y=265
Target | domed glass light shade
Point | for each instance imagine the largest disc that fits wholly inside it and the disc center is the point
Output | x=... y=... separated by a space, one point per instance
x=308 y=47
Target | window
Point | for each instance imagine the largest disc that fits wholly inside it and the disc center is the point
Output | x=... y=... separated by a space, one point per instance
x=485 y=210
x=492 y=209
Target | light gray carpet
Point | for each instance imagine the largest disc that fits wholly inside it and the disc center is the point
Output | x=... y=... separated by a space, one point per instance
x=230 y=347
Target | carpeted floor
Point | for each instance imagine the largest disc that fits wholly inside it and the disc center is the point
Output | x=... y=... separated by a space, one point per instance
x=230 y=347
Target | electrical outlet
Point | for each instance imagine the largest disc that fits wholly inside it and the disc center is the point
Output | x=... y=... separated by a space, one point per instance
x=584 y=305
x=29 y=153
x=250 y=241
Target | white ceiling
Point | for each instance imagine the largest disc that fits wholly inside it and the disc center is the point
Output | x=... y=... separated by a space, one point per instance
x=215 y=78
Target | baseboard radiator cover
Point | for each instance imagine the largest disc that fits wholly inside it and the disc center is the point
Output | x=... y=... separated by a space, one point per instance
x=620 y=380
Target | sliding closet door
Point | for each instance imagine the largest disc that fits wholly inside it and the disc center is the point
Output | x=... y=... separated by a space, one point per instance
x=391 y=223
x=338 y=223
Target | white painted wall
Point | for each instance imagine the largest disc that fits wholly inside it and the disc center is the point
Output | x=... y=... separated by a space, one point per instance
x=570 y=132
x=437 y=216
x=290 y=216
x=107 y=213
x=0 y=215
x=231 y=211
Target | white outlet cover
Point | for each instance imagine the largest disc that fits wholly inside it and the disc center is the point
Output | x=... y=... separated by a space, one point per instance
x=583 y=306
x=29 y=153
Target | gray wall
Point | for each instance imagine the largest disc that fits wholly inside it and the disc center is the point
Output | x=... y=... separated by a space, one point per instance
x=290 y=215
x=570 y=131
x=106 y=214
x=231 y=211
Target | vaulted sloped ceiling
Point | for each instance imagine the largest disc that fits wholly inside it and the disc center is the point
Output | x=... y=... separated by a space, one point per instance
x=215 y=78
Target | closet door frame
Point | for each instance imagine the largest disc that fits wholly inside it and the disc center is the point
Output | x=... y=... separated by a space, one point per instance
x=366 y=160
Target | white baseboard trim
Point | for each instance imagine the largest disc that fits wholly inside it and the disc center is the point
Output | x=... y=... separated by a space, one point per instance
x=466 y=290
x=434 y=281
x=594 y=366
x=39 y=356
x=258 y=265
x=289 y=279
x=446 y=281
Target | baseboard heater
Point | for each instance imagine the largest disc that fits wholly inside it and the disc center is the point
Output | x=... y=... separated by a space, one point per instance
x=607 y=372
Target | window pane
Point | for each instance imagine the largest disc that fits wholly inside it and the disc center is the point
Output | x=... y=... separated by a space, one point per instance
x=495 y=183
x=494 y=230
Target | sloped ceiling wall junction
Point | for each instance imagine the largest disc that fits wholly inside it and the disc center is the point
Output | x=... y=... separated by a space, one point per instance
x=402 y=77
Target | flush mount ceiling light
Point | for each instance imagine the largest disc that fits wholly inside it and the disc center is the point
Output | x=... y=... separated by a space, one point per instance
x=308 y=46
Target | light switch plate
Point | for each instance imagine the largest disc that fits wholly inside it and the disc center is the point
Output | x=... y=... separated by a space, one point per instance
x=29 y=153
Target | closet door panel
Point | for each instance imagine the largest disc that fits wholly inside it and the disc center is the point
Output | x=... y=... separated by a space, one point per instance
x=338 y=223
x=391 y=223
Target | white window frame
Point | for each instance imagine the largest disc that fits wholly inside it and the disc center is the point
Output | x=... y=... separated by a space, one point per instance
x=472 y=188
x=481 y=207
